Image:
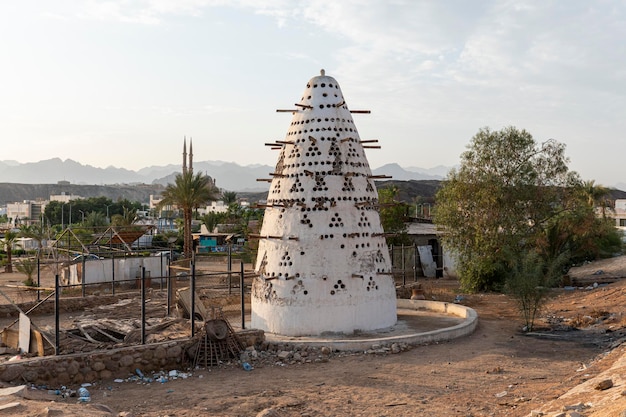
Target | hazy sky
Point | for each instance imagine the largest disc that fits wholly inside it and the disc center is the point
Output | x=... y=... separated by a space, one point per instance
x=121 y=82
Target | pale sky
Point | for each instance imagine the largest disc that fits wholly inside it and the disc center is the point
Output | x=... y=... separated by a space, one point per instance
x=120 y=82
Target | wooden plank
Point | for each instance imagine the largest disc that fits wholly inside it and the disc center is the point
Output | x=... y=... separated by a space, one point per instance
x=37 y=338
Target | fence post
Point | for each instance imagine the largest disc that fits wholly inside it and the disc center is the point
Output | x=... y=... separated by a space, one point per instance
x=112 y=273
x=38 y=278
x=243 y=305
x=56 y=314
x=169 y=285
x=193 y=299
x=143 y=305
x=415 y=262
x=403 y=266
x=84 y=275
x=230 y=270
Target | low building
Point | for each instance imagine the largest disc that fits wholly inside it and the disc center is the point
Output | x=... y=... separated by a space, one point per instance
x=25 y=212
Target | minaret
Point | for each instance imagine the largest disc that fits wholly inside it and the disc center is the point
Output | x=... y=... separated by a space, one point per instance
x=184 y=154
x=323 y=264
x=190 y=156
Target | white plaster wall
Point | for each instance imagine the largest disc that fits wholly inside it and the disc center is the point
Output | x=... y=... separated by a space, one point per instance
x=100 y=270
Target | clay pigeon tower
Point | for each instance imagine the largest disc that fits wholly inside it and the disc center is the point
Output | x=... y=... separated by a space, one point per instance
x=323 y=263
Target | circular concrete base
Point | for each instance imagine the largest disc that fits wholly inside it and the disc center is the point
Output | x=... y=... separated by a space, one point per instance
x=419 y=322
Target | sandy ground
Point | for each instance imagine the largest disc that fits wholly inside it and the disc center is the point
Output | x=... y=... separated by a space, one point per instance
x=497 y=371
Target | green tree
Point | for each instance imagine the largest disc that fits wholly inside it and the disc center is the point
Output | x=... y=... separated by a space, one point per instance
x=529 y=281
x=504 y=196
x=95 y=221
x=188 y=192
x=212 y=219
x=393 y=216
x=10 y=237
x=229 y=197
x=36 y=231
x=128 y=217
x=27 y=267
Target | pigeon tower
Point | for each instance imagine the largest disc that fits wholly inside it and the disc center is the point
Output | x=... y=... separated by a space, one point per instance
x=323 y=264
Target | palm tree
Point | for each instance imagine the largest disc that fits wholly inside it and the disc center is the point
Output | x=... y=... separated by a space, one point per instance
x=596 y=195
x=188 y=192
x=128 y=218
x=36 y=231
x=95 y=221
x=229 y=197
x=9 y=240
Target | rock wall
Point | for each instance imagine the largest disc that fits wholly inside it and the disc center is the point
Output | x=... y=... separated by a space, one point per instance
x=107 y=364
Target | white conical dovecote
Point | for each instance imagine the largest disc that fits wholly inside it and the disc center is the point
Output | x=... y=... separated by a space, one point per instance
x=323 y=264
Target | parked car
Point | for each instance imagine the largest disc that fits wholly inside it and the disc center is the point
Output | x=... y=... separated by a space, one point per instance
x=88 y=257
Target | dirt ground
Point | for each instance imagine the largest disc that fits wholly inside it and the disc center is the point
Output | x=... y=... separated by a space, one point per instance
x=496 y=371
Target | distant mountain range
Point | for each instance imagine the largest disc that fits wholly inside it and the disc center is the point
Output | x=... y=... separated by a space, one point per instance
x=228 y=175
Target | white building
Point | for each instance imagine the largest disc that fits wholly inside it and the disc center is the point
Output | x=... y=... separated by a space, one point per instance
x=217 y=207
x=64 y=198
x=619 y=214
x=25 y=212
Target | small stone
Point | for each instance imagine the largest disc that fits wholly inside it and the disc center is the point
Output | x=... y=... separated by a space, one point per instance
x=602 y=385
x=269 y=412
x=575 y=407
x=395 y=348
x=284 y=355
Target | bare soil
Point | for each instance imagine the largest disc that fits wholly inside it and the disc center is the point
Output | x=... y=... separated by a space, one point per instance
x=496 y=371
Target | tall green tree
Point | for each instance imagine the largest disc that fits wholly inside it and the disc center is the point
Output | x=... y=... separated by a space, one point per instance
x=128 y=217
x=506 y=193
x=10 y=237
x=95 y=221
x=189 y=192
x=35 y=231
x=229 y=197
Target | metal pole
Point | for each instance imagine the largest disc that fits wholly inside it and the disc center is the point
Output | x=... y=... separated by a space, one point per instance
x=403 y=266
x=230 y=270
x=112 y=273
x=415 y=262
x=38 y=278
x=243 y=306
x=143 y=305
x=169 y=285
x=393 y=263
x=56 y=314
x=193 y=299
x=82 y=281
x=161 y=275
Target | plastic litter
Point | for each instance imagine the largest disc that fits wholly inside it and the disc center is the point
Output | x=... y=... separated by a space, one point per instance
x=83 y=395
x=247 y=367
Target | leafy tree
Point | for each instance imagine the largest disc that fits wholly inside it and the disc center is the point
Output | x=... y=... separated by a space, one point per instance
x=393 y=216
x=10 y=237
x=95 y=221
x=36 y=231
x=127 y=218
x=229 y=197
x=212 y=219
x=28 y=267
x=529 y=282
x=505 y=196
x=189 y=192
